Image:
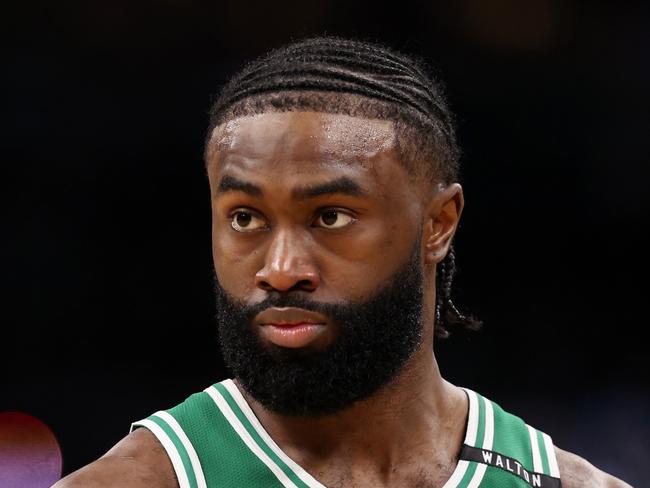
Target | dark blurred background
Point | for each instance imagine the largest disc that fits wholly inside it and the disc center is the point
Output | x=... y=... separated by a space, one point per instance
x=106 y=274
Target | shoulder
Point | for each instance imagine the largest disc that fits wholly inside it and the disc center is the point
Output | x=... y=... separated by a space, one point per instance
x=576 y=472
x=138 y=460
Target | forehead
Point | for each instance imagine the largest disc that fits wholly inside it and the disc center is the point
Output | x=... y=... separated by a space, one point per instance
x=301 y=141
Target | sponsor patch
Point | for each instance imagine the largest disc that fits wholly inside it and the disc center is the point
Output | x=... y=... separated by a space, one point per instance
x=491 y=458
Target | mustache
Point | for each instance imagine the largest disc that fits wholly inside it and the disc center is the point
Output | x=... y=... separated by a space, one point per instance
x=295 y=299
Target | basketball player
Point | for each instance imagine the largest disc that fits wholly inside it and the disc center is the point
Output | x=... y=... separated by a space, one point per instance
x=333 y=174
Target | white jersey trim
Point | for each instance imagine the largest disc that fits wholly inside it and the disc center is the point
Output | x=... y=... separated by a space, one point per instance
x=457 y=475
x=187 y=444
x=488 y=440
x=472 y=419
x=537 y=457
x=470 y=439
x=478 y=476
x=174 y=456
x=550 y=454
x=246 y=437
x=308 y=479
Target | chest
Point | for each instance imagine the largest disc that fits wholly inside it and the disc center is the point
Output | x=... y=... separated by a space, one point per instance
x=423 y=475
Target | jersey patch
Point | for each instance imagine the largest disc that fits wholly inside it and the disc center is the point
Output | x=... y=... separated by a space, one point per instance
x=497 y=460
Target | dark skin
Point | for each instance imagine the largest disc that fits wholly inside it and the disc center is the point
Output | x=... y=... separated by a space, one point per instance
x=322 y=204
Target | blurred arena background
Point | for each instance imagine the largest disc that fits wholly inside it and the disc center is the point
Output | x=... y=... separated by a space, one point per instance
x=106 y=275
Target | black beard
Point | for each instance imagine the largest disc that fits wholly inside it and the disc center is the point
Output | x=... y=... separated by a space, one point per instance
x=375 y=339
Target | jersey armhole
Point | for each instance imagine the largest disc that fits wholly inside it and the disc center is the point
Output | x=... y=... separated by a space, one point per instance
x=171 y=450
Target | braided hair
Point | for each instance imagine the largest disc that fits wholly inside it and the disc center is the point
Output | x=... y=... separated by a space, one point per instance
x=361 y=79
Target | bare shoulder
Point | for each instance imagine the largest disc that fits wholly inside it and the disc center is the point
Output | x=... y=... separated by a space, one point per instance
x=138 y=460
x=576 y=472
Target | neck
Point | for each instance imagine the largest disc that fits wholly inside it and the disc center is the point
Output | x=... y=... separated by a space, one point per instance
x=417 y=413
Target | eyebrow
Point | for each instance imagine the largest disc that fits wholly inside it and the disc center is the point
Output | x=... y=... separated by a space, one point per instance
x=230 y=183
x=343 y=185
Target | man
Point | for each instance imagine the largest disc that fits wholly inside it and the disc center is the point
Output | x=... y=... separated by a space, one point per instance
x=333 y=174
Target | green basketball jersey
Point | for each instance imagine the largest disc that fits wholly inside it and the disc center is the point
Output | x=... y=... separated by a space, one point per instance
x=214 y=440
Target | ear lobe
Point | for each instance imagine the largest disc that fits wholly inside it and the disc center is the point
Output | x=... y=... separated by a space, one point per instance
x=443 y=215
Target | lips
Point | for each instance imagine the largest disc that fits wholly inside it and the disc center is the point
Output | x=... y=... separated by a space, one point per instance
x=291 y=327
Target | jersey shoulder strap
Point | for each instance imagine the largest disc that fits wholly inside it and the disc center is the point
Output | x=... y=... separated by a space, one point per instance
x=500 y=450
x=213 y=439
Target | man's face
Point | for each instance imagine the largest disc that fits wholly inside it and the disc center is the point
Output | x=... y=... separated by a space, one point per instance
x=316 y=248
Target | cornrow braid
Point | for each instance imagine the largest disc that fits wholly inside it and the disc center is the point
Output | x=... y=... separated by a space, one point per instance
x=446 y=311
x=360 y=79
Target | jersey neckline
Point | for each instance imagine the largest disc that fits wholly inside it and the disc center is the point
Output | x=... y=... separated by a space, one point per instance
x=472 y=431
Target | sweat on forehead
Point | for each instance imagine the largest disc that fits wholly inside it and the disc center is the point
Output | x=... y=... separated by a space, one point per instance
x=417 y=142
x=371 y=122
x=304 y=135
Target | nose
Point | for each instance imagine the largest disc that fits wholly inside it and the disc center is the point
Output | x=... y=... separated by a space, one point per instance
x=288 y=266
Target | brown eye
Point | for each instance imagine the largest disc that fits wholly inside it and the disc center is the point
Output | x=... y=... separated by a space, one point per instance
x=243 y=221
x=333 y=219
x=330 y=217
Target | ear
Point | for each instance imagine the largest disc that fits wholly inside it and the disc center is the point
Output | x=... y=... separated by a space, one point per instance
x=442 y=216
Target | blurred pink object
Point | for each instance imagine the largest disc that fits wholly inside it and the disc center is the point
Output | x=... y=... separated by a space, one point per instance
x=30 y=456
